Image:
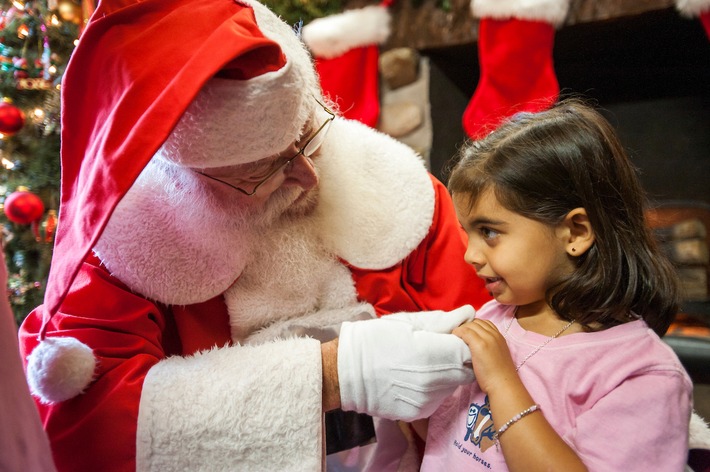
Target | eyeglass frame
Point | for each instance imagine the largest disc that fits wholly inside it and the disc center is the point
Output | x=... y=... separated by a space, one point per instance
x=276 y=169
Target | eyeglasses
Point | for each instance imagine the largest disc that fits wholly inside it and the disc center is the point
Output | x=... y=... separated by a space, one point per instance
x=262 y=173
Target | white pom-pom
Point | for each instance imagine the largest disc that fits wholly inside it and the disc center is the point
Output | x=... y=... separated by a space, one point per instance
x=59 y=369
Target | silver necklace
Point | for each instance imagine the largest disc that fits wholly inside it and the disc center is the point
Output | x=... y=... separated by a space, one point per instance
x=537 y=349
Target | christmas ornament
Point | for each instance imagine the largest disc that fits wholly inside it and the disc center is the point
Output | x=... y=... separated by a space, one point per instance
x=23 y=207
x=12 y=119
x=50 y=225
x=21 y=68
x=87 y=9
x=69 y=11
x=5 y=62
x=45 y=60
x=515 y=41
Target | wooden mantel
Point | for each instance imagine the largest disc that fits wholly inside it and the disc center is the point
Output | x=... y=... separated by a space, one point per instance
x=427 y=26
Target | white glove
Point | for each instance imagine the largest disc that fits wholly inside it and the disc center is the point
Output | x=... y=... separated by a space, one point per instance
x=402 y=366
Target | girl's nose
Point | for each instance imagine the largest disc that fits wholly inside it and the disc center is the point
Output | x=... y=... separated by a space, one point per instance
x=474 y=256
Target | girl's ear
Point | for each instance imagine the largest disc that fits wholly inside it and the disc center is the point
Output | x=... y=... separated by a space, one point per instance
x=578 y=232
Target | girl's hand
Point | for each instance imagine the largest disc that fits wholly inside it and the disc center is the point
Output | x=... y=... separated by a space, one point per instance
x=492 y=363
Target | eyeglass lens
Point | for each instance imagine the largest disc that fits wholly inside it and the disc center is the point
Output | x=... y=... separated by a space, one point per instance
x=311 y=146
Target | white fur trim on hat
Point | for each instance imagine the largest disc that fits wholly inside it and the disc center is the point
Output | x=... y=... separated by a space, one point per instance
x=60 y=368
x=551 y=11
x=233 y=122
x=334 y=35
x=692 y=8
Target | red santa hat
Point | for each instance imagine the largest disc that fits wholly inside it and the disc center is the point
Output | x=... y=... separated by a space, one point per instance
x=696 y=8
x=346 y=51
x=163 y=57
x=515 y=41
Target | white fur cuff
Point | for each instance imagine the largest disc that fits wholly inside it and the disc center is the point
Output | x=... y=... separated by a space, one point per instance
x=232 y=409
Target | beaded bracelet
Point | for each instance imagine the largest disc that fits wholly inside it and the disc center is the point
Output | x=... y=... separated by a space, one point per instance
x=513 y=420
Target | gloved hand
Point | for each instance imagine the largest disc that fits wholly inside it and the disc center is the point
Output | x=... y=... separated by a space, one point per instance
x=402 y=366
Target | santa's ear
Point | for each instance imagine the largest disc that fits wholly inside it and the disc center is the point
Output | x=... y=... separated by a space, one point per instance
x=577 y=231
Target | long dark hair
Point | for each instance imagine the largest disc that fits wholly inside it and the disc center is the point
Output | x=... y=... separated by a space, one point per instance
x=542 y=166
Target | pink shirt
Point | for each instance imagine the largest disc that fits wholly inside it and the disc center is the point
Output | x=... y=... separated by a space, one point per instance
x=620 y=398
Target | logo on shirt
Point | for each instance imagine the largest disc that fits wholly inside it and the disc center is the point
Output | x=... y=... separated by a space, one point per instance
x=479 y=425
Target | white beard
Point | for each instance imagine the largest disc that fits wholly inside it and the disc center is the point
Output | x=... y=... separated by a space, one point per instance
x=290 y=281
x=172 y=239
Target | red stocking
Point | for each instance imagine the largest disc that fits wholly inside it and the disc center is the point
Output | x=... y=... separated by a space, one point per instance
x=517 y=72
x=351 y=81
x=346 y=51
x=705 y=20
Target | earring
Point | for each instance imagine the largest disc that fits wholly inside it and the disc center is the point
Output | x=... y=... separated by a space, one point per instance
x=574 y=250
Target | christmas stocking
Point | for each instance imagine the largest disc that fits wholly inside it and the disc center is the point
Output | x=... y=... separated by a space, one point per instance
x=515 y=41
x=696 y=8
x=346 y=51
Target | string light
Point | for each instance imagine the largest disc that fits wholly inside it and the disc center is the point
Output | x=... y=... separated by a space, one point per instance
x=23 y=31
x=7 y=164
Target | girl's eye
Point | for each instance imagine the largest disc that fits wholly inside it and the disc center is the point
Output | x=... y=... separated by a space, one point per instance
x=488 y=233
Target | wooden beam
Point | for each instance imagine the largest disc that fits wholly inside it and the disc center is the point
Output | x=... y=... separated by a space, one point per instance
x=428 y=26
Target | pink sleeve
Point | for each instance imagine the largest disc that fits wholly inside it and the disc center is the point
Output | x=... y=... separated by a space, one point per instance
x=641 y=425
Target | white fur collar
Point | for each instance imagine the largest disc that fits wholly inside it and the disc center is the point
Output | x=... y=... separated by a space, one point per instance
x=377 y=199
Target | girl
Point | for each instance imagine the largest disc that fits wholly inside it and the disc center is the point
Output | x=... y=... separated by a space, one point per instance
x=570 y=371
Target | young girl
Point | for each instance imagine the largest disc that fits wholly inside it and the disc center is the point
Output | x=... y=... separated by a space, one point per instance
x=570 y=371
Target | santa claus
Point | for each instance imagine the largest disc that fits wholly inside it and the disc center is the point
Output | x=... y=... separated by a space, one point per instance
x=220 y=224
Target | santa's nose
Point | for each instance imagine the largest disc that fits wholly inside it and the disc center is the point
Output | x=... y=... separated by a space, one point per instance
x=301 y=172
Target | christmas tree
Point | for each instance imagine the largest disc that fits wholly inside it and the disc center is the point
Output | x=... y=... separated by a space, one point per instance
x=36 y=41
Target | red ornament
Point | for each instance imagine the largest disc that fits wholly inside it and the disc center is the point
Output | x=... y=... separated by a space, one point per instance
x=23 y=207
x=11 y=119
